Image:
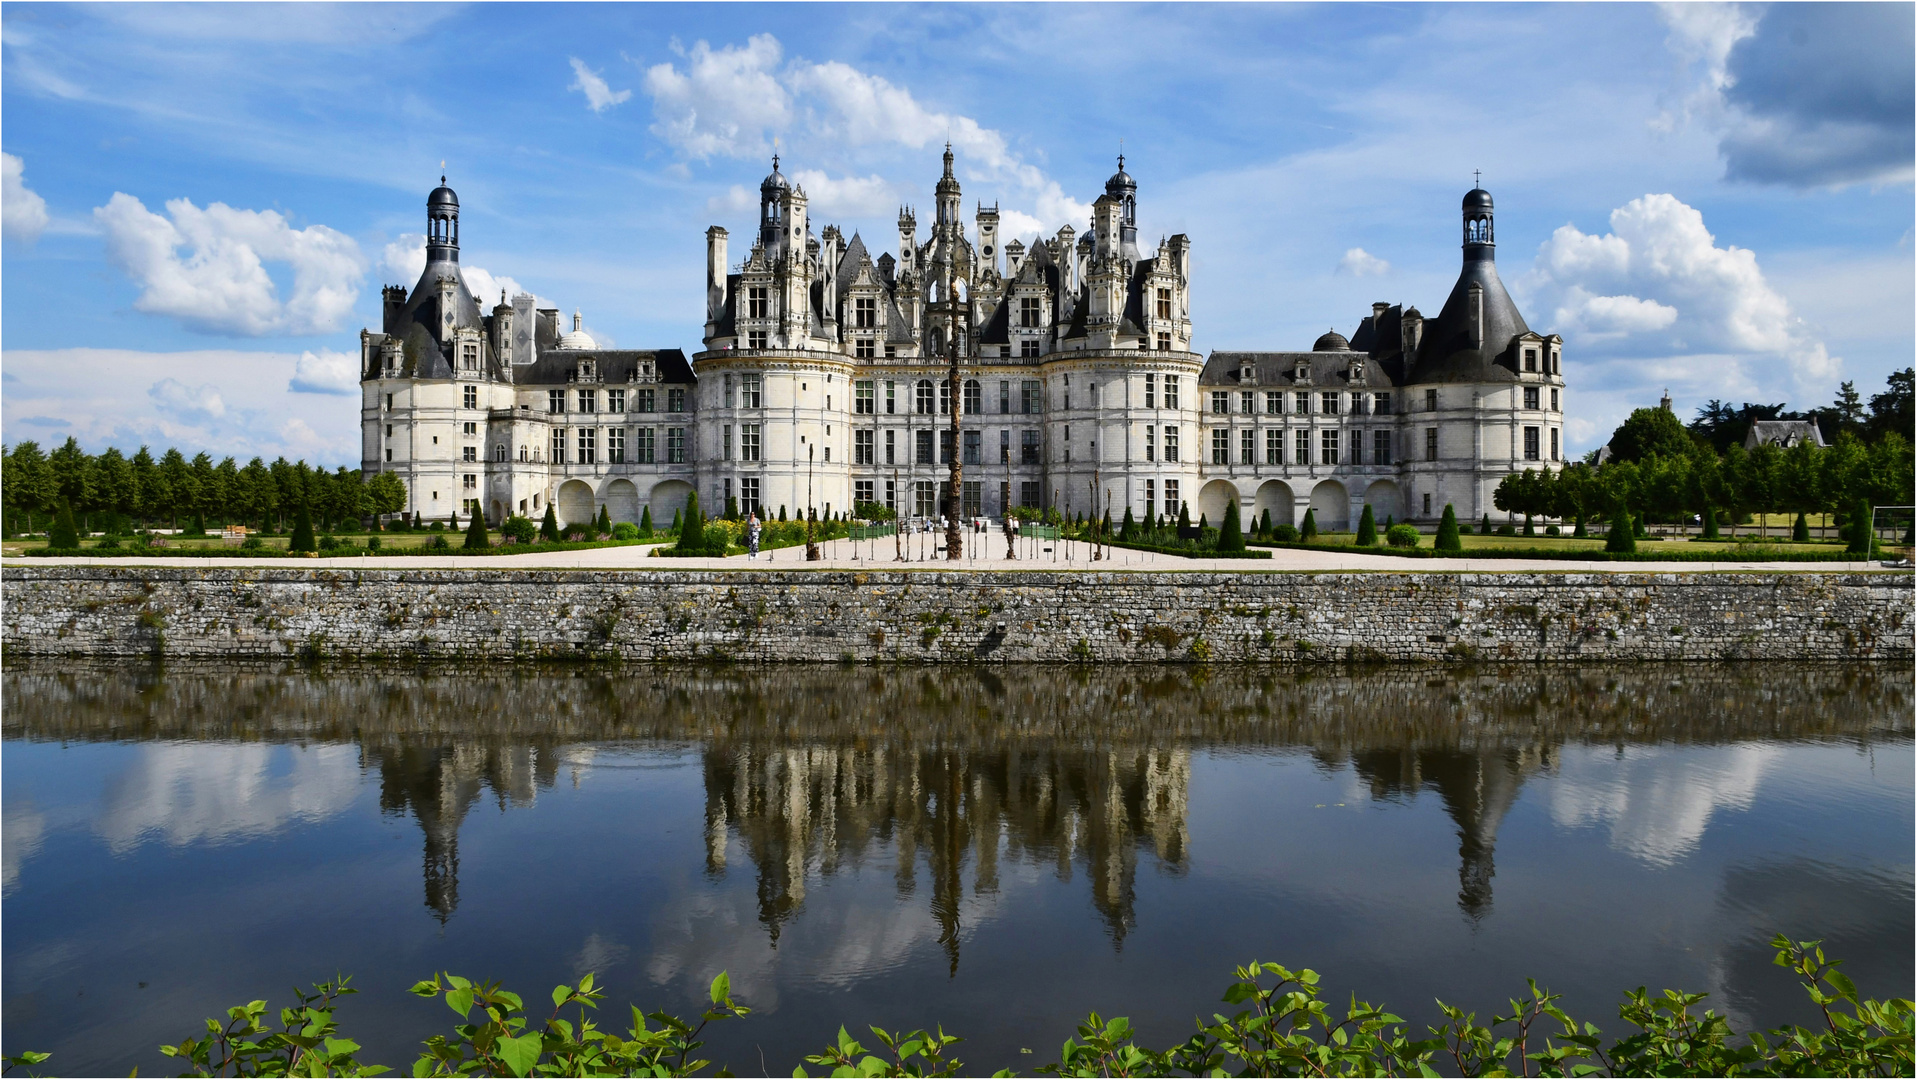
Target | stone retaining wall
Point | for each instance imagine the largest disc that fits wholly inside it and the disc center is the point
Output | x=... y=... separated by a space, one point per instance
x=939 y=617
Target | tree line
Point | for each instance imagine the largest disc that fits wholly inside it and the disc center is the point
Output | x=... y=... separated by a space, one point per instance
x=1662 y=470
x=114 y=491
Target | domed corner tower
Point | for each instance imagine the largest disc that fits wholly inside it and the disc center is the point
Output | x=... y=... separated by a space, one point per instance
x=1484 y=394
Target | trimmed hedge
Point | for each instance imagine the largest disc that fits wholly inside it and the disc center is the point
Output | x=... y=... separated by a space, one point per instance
x=1596 y=555
x=331 y=553
x=1189 y=553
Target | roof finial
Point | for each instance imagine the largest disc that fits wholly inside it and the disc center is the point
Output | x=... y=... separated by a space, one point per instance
x=1477 y=178
x=1121 y=153
x=442 y=173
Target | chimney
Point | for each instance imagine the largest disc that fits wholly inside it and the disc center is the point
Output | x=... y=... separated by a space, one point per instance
x=715 y=276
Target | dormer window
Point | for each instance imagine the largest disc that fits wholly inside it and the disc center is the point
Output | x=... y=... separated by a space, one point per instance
x=586 y=372
x=1531 y=360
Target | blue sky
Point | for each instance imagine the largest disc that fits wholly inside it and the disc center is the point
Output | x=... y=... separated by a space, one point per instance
x=202 y=201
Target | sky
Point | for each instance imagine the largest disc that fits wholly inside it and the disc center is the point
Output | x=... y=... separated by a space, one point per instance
x=201 y=202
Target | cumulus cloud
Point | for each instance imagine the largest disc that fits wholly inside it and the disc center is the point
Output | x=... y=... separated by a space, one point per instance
x=193 y=404
x=599 y=95
x=221 y=284
x=734 y=100
x=1361 y=263
x=1658 y=284
x=404 y=259
x=1805 y=95
x=325 y=372
x=848 y=195
x=23 y=213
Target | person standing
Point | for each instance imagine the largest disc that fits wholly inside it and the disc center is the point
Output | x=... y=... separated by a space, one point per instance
x=752 y=534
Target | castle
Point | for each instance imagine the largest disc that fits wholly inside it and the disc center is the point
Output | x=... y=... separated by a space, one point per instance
x=822 y=383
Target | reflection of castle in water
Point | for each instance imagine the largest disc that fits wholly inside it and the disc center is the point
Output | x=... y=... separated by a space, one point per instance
x=799 y=809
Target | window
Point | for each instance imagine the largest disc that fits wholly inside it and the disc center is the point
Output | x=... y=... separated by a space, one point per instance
x=1171 y=443
x=862 y=348
x=1530 y=397
x=616 y=446
x=1004 y=447
x=923 y=447
x=389 y=431
x=675 y=446
x=1220 y=446
x=1028 y=348
x=471 y=428
x=925 y=501
x=1381 y=448
x=1430 y=401
x=945 y=398
x=945 y=448
x=756 y=303
x=559 y=446
x=1328 y=446
x=862 y=491
x=892 y=495
x=470 y=396
x=1274 y=446
x=469 y=481
x=469 y=453
x=676 y=399
x=1065 y=444
x=389 y=454
x=1164 y=303
x=1151 y=391
x=974 y=448
x=1151 y=443
x=587 y=452
x=862 y=397
x=588 y=401
x=1381 y=404
x=647 y=399
x=469 y=358
x=865 y=314
x=751 y=392
x=1172 y=502
x=891 y=397
x=1356 y=455
x=1328 y=402
x=1164 y=341
x=499 y=452
x=1151 y=504
x=389 y=401
x=863 y=442
x=1301 y=447
x=728 y=392
x=1554 y=401
x=1247 y=401
x=1431 y=444
x=922 y=398
x=1029 y=494
x=1301 y=402
x=1028 y=311
x=1171 y=392
x=755 y=339
x=1530 y=444
x=891 y=448
x=1427 y=504
x=748 y=442
x=615 y=401
x=1028 y=396
x=972 y=498
x=1247 y=447
x=1028 y=447
x=1274 y=401
x=974 y=397
x=1530 y=359
x=1554 y=445
x=555 y=401
x=1220 y=401
x=748 y=495
x=643 y=445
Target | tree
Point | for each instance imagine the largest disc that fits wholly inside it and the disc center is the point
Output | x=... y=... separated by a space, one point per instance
x=29 y=484
x=1621 y=536
x=1184 y=515
x=1229 y=536
x=603 y=526
x=1723 y=427
x=1309 y=531
x=71 y=475
x=549 y=526
x=1128 y=529
x=227 y=486
x=1264 y=523
x=1891 y=412
x=387 y=493
x=1861 y=536
x=1800 y=529
x=1650 y=431
x=645 y=522
x=732 y=508
x=1367 y=528
x=302 y=531
x=206 y=481
x=181 y=489
x=1848 y=410
x=1448 y=538
x=692 y=531
x=476 y=534
x=64 y=535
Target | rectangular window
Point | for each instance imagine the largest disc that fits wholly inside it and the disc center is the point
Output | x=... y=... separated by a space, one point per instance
x=1554 y=445
x=471 y=428
x=615 y=401
x=892 y=495
x=1164 y=303
x=974 y=448
x=1430 y=401
x=725 y=441
x=1220 y=402
x=922 y=397
x=863 y=348
x=643 y=446
x=1530 y=359
x=1431 y=444
x=1171 y=443
x=1328 y=446
x=1530 y=444
x=1427 y=504
x=865 y=313
x=1220 y=446
x=588 y=399
x=615 y=446
x=1004 y=447
x=588 y=452
x=748 y=495
x=1247 y=401
x=863 y=444
x=1151 y=391
x=1172 y=501
x=755 y=339
x=923 y=446
x=945 y=448
x=555 y=401
x=891 y=447
x=469 y=357
x=1151 y=443
x=925 y=499
x=751 y=391
x=1554 y=401
x=1028 y=396
x=1274 y=446
x=756 y=303
x=1171 y=392
x=469 y=453
x=1274 y=401
x=1381 y=404
x=1381 y=448
x=1357 y=451
x=1004 y=396
x=1151 y=499
x=1328 y=402
x=748 y=442
x=891 y=397
x=1247 y=447
x=559 y=446
x=645 y=400
x=862 y=397
x=1530 y=397
x=972 y=498
x=1164 y=341
x=862 y=491
x=1301 y=446
x=1028 y=447
x=676 y=399
x=1028 y=311
x=973 y=398
x=728 y=399
x=1030 y=493
x=945 y=398
x=470 y=397
x=469 y=481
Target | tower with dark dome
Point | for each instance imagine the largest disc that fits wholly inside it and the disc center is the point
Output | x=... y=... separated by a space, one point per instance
x=1123 y=190
x=442 y=224
x=772 y=197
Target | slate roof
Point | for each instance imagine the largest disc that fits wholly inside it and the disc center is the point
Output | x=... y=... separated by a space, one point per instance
x=1276 y=369
x=555 y=366
x=1446 y=353
x=1783 y=433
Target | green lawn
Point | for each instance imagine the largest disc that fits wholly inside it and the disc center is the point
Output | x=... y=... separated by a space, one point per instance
x=1596 y=543
x=389 y=541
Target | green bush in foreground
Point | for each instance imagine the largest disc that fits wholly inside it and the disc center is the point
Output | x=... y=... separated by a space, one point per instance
x=1281 y=1027
x=1447 y=539
x=1402 y=536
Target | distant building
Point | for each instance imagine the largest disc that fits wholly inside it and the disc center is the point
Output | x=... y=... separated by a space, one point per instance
x=1783 y=434
x=821 y=382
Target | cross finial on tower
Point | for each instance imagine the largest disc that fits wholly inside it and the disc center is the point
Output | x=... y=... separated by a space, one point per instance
x=1477 y=178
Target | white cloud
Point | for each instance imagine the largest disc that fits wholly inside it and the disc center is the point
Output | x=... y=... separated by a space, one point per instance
x=599 y=96
x=1361 y=263
x=1659 y=285
x=23 y=213
x=851 y=196
x=1658 y=801
x=725 y=101
x=221 y=285
x=194 y=404
x=210 y=793
x=404 y=259
x=325 y=372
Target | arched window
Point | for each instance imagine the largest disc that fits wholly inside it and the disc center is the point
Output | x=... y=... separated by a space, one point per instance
x=922 y=403
x=499 y=452
x=974 y=397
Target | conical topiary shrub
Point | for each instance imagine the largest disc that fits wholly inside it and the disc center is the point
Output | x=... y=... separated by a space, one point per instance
x=303 y=531
x=1709 y=531
x=1367 y=528
x=1129 y=528
x=1484 y=527
x=549 y=526
x=63 y=535
x=1264 y=524
x=1861 y=535
x=1800 y=529
x=692 y=528
x=1620 y=538
x=603 y=526
x=1448 y=538
x=645 y=522
x=476 y=539
x=1309 y=531
x=1229 y=536
x=1184 y=515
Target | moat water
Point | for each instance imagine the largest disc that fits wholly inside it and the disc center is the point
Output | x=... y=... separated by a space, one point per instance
x=998 y=850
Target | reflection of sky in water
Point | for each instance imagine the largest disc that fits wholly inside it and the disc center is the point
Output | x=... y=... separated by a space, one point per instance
x=1000 y=886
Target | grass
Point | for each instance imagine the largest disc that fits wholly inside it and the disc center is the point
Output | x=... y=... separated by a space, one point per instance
x=1596 y=543
x=391 y=543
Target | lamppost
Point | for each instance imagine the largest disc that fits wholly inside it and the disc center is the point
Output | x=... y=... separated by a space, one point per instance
x=811 y=548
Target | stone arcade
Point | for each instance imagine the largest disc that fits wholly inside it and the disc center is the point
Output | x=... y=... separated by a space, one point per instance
x=822 y=382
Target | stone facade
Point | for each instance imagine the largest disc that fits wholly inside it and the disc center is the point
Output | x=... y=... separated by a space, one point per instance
x=940 y=617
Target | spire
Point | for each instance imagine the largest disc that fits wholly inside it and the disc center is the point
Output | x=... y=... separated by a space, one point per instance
x=948 y=160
